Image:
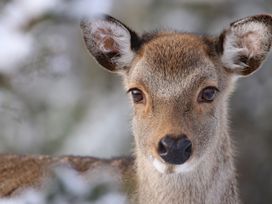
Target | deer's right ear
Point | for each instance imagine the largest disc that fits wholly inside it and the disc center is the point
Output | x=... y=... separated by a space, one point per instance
x=111 y=42
x=245 y=44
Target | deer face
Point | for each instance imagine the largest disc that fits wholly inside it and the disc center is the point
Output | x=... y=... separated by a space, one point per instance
x=179 y=83
x=178 y=89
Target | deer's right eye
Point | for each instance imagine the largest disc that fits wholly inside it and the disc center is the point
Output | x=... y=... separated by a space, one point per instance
x=207 y=95
x=137 y=95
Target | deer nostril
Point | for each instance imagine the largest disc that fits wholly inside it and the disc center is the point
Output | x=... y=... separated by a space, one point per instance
x=165 y=145
x=163 y=150
x=188 y=149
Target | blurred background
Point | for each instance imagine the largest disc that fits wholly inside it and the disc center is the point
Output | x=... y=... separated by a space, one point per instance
x=54 y=98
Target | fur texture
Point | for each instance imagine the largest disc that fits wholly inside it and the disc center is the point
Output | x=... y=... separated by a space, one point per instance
x=171 y=69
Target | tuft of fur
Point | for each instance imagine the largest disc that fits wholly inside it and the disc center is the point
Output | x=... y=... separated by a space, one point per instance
x=110 y=41
x=246 y=43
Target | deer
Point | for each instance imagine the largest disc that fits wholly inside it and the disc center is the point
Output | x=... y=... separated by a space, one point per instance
x=179 y=84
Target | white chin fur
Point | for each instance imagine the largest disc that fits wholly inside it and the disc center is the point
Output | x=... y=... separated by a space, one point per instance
x=161 y=167
x=183 y=168
x=164 y=168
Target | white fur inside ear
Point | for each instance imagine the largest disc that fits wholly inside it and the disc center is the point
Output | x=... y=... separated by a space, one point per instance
x=244 y=40
x=120 y=38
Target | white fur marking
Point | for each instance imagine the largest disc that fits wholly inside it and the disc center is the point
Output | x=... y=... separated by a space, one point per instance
x=159 y=166
x=183 y=168
x=162 y=168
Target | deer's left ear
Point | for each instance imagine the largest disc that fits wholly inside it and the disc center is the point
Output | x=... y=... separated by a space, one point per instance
x=245 y=44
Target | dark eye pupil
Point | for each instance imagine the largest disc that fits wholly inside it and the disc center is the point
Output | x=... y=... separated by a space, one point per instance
x=137 y=95
x=208 y=94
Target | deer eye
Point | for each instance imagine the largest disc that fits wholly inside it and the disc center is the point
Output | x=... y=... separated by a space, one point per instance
x=207 y=95
x=137 y=95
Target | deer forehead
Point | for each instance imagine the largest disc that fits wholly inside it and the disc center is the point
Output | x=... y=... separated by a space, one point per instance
x=173 y=64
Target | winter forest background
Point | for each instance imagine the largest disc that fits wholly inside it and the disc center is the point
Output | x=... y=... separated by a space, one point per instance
x=54 y=99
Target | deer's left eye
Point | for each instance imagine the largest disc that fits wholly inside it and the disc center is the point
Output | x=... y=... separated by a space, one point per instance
x=207 y=95
x=137 y=95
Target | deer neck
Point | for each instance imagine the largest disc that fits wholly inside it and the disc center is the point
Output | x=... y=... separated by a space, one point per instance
x=209 y=182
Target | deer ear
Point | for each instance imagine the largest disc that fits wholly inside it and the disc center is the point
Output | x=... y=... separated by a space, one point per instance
x=245 y=44
x=111 y=42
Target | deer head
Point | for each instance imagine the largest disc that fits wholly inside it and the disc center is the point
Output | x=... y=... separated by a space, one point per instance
x=179 y=83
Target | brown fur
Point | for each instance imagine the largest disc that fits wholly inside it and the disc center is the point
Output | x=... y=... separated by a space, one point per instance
x=171 y=73
x=19 y=172
x=171 y=69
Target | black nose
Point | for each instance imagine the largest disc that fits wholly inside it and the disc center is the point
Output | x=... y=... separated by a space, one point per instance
x=175 y=150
